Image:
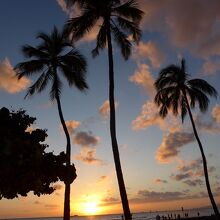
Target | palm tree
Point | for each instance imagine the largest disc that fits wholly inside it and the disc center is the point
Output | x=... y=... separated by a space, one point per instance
x=177 y=92
x=119 y=20
x=53 y=57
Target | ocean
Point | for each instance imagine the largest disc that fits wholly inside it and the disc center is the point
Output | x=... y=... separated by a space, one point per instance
x=135 y=216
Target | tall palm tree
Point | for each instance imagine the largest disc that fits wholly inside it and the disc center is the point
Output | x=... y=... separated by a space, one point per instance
x=118 y=20
x=177 y=92
x=53 y=57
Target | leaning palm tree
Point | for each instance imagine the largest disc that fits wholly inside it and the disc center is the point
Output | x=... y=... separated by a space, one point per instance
x=118 y=19
x=177 y=92
x=54 y=57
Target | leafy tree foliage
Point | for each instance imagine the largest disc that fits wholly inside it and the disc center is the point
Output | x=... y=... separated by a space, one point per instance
x=24 y=164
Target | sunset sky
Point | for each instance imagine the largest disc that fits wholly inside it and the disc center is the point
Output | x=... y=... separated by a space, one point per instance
x=160 y=159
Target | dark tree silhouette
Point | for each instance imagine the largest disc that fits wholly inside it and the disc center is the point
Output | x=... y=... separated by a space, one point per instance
x=177 y=92
x=24 y=164
x=55 y=55
x=118 y=19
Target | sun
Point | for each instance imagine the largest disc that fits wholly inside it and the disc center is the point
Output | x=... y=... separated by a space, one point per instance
x=91 y=208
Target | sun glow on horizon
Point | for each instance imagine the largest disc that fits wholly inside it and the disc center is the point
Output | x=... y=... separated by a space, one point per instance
x=91 y=208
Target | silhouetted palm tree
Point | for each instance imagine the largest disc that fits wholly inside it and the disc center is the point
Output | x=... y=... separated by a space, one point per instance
x=177 y=92
x=55 y=55
x=119 y=20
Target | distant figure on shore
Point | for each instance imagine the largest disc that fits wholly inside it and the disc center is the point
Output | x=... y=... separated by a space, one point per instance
x=157 y=217
x=178 y=216
x=198 y=214
x=122 y=217
x=182 y=209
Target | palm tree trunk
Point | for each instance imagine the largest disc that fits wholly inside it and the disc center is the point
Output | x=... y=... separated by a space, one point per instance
x=66 y=214
x=215 y=208
x=126 y=209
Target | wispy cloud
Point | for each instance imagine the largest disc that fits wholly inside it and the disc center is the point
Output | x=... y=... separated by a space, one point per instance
x=104 y=110
x=160 y=181
x=149 y=116
x=148 y=51
x=85 y=139
x=191 y=172
x=210 y=67
x=216 y=114
x=88 y=156
x=195 y=28
x=143 y=78
x=8 y=79
x=171 y=145
x=154 y=196
x=72 y=125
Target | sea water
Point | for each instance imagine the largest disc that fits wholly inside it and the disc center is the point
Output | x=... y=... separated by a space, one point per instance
x=135 y=216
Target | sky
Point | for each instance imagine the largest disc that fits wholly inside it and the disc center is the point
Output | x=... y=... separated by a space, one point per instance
x=160 y=159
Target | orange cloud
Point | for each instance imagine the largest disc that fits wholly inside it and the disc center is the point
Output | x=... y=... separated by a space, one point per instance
x=149 y=116
x=63 y=5
x=88 y=156
x=144 y=78
x=150 y=51
x=160 y=181
x=72 y=125
x=188 y=24
x=8 y=79
x=216 y=113
x=104 y=110
x=210 y=67
x=171 y=144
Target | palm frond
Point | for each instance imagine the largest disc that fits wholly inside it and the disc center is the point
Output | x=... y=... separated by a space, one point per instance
x=170 y=70
x=130 y=27
x=74 y=78
x=122 y=41
x=201 y=98
x=129 y=10
x=191 y=95
x=71 y=3
x=204 y=86
x=163 y=111
x=55 y=88
x=163 y=82
x=29 y=51
x=29 y=67
x=81 y=25
x=183 y=107
x=44 y=37
x=74 y=60
x=39 y=85
x=100 y=40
